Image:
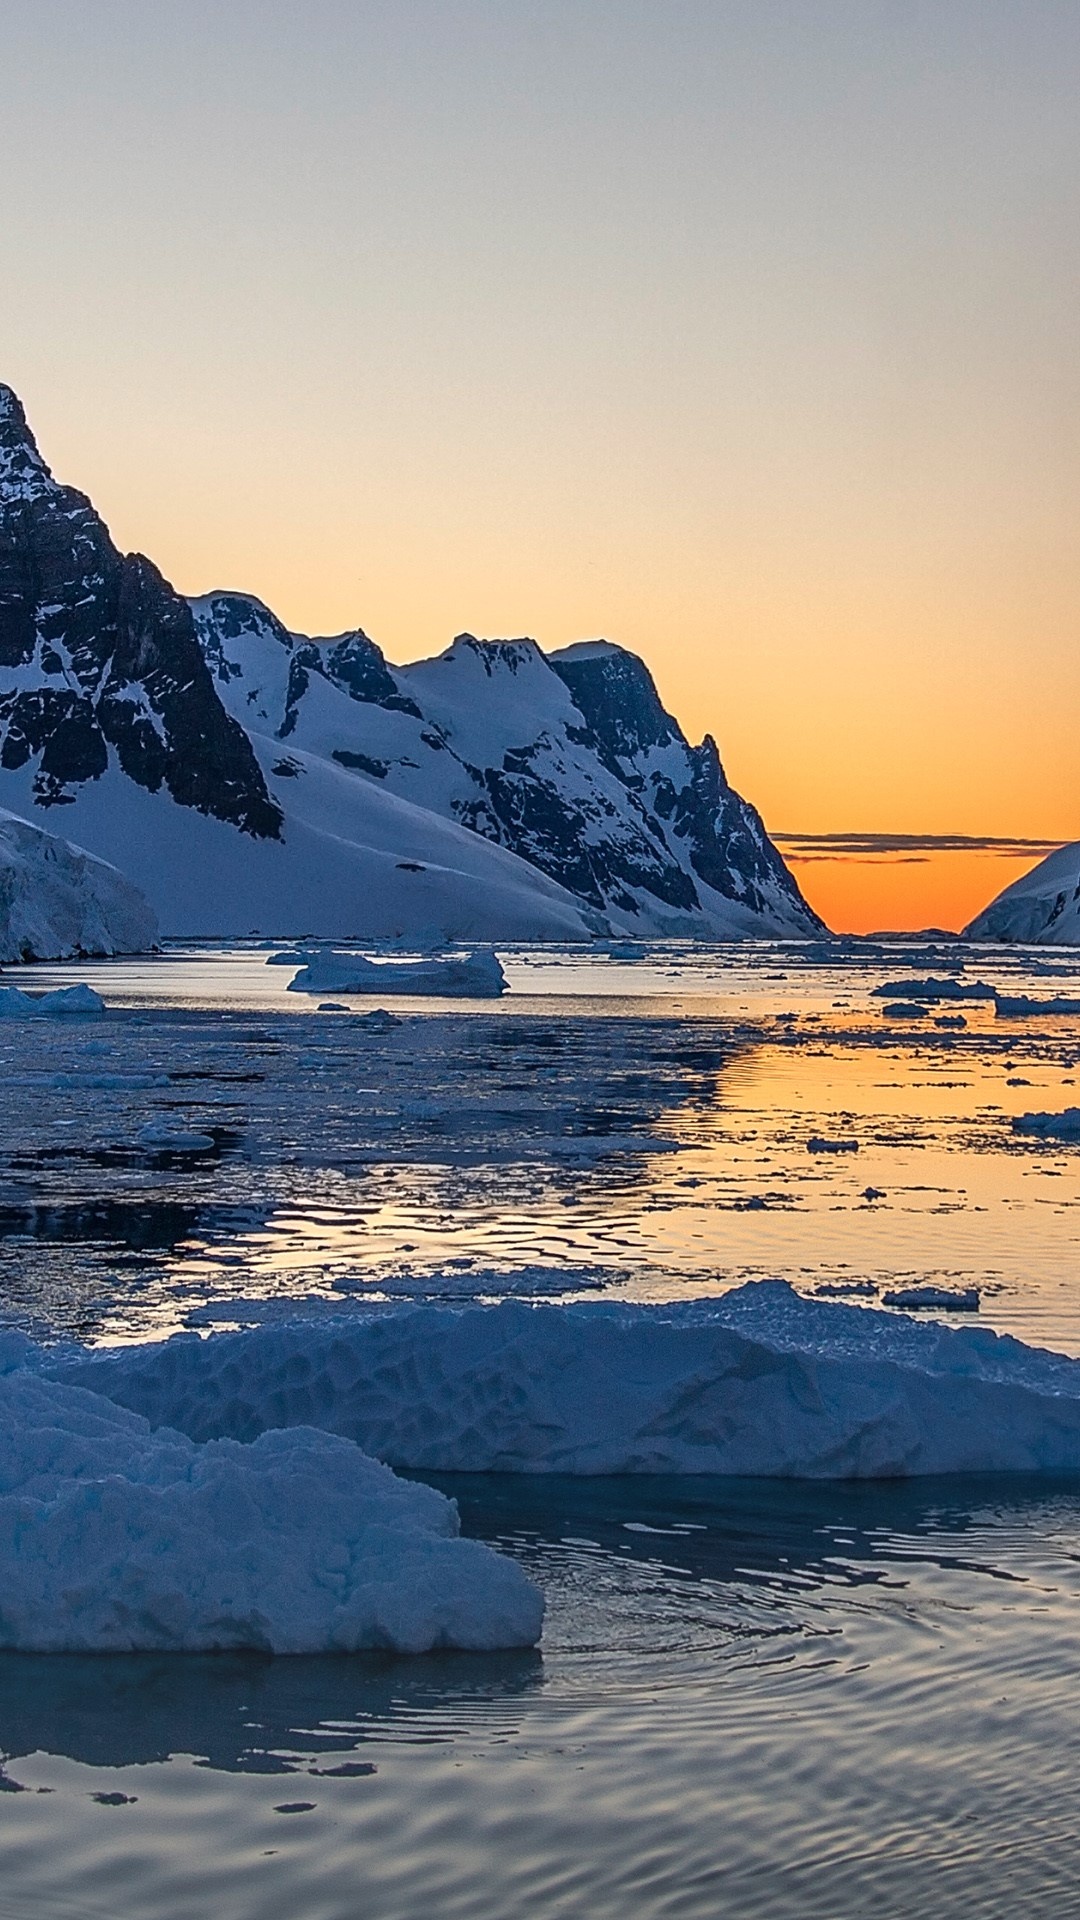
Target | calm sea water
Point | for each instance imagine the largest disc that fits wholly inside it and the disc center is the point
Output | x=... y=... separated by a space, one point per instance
x=752 y=1699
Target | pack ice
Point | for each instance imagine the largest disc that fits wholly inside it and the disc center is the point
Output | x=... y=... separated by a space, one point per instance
x=758 y=1381
x=113 y=1539
x=58 y=902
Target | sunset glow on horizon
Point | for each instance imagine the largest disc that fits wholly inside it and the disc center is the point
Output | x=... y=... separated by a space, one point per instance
x=742 y=337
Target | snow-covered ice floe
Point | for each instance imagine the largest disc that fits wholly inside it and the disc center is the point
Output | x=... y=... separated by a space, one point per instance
x=474 y=976
x=949 y=1299
x=1019 y=1005
x=933 y=989
x=116 y=1539
x=64 y=1003
x=1050 y=1126
x=757 y=1381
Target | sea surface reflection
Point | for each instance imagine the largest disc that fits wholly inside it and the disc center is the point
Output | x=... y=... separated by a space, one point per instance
x=758 y=1699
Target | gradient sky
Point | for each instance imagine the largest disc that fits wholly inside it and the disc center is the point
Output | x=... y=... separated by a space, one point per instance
x=743 y=332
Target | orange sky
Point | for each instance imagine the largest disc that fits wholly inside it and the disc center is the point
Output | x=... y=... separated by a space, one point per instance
x=890 y=893
x=742 y=335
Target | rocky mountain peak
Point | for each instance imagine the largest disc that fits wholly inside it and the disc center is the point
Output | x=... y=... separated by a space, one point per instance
x=23 y=473
x=100 y=662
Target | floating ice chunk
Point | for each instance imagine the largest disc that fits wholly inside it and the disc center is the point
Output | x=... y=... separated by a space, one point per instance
x=933 y=989
x=758 y=1381
x=116 y=1539
x=80 y=1003
x=331 y=1006
x=904 y=1010
x=818 y=1144
x=1050 y=1126
x=1018 y=1005
x=473 y=975
x=957 y=1299
x=949 y=1020
x=160 y=1139
x=377 y=1021
x=110 y=1082
x=844 y=1289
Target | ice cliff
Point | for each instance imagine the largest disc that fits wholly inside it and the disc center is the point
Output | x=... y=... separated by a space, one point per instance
x=58 y=902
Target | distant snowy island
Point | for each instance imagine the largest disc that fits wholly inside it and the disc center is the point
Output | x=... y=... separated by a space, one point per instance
x=1041 y=908
x=244 y=777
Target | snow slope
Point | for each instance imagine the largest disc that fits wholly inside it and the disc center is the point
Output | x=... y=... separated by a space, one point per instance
x=58 y=902
x=1042 y=907
x=759 y=1381
x=114 y=1539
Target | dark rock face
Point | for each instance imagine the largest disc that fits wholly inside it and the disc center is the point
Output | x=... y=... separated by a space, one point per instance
x=690 y=797
x=97 y=652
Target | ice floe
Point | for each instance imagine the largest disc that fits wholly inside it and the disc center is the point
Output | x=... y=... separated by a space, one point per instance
x=1019 y=1005
x=933 y=989
x=951 y=1299
x=64 y=1003
x=474 y=976
x=1049 y=1126
x=757 y=1381
x=113 y=1538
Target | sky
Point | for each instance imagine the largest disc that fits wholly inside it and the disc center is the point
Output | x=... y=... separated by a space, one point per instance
x=741 y=332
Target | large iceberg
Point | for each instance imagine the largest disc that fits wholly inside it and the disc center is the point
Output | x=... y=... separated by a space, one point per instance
x=58 y=902
x=475 y=976
x=113 y=1539
x=759 y=1381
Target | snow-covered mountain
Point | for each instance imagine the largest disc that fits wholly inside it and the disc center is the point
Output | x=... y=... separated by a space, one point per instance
x=247 y=777
x=567 y=760
x=57 y=902
x=1043 y=906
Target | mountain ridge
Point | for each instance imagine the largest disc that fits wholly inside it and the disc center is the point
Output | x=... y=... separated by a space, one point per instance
x=528 y=794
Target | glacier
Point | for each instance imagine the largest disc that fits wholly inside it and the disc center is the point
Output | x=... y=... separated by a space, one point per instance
x=58 y=902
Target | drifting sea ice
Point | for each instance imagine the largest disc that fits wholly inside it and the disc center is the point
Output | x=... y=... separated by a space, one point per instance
x=1049 y=1126
x=1025 y=1006
x=115 y=1539
x=932 y=989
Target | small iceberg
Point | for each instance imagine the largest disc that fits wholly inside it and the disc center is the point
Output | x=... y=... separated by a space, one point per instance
x=1050 y=1126
x=818 y=1144
x=116 y=1539
x=65 y=1003
x=1023 y=1005
x=932 y=989
x=904 y=1010
x=955 y=1299
x=473 y=976
x=161 y=1139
